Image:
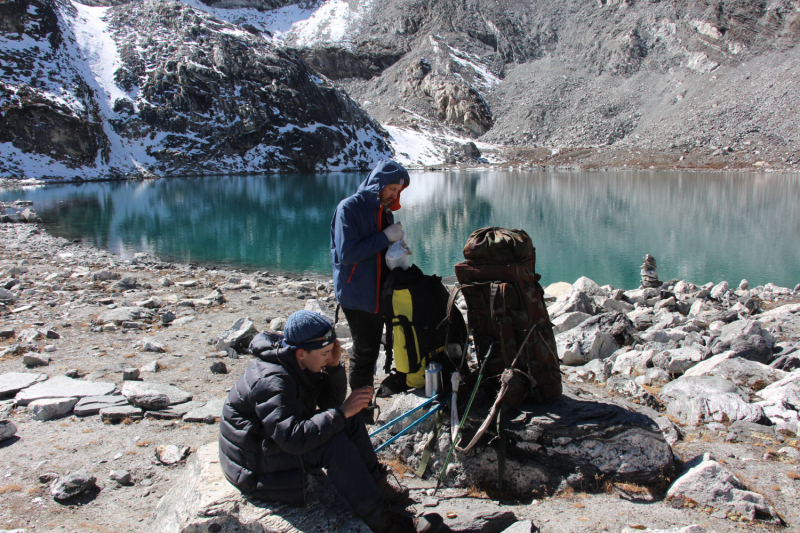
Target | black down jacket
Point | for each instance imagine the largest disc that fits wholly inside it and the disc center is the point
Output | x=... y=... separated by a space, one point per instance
x=274 y=413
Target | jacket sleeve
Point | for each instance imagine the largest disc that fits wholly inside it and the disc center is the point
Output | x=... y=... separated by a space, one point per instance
x=350 y=247
x=275 y=398
x=333 y=387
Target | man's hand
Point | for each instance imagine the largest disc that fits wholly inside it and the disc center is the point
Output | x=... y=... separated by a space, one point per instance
x=357 y=401
x=394 y=232
x=336 y=353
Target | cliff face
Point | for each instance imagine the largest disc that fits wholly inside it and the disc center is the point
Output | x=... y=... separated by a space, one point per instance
x=165 y=88
x=652 y=74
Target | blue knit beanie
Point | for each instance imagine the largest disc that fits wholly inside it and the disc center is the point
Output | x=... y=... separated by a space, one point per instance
x=308 y=330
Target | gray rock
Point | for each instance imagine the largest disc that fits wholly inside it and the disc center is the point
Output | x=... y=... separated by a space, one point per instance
x=7 y=429
x=7 y=296
x=616 y=305
x=642 y=318
x=149 y=345
x=567 y=321
x=628 y=388
x=218 y=368
x=28 y=335
x=576 y=302
x=203 y=491
x=238 y=336
x=133 y=390
x=747 y=374
x=33 y=360
x=720 y=290
x=151 y=400
x=679 y=529
x=523 y=526
x=403 y=403
x=703 y=399
x=91 y=405
x=208 y=413
x=71 y=485
x=319 y=307
x=120 y=413
x=631 y=362
x=51 y=408
x=578 y=346
x=709 y=484
x=174 y=412
x=170 y=454
x=6 y=333
x=663 y=336
x=562 y=442
x=130 y=374
x=13 y=382
x=481 y=518
x=277 y=324
x=746 y=339
x=679 y=360
x=782 y=415
x=63 y=387
x=123 y=477
x=104 y=275
x=167 y=317
x=154 y=302
x=151 y=367
x=124 y=314
x=786 y=391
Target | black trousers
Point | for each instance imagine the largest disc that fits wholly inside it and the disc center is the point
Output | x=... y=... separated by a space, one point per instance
x=353 y=468
x=366 y=329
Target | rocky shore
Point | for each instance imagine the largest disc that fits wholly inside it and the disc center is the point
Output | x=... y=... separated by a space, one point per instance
x=680 y=410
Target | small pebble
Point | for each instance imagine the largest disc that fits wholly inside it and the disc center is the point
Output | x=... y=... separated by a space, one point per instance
x=430 y=502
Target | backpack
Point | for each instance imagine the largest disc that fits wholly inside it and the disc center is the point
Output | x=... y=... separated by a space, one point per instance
x=506 y=309
x=415 y=307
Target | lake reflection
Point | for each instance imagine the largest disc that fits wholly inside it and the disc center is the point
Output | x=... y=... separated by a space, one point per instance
x=699 y=226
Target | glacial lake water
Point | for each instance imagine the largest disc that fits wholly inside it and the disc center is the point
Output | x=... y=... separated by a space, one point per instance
x=699 y=226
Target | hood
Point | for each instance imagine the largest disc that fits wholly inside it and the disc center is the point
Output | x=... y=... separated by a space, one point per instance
x=284 y=356
x=384 y=173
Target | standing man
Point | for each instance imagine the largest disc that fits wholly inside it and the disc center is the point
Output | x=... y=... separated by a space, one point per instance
x=361 y=231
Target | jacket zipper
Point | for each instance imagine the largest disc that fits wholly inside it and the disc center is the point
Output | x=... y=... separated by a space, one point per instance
x=378 y=282
x=351 y=272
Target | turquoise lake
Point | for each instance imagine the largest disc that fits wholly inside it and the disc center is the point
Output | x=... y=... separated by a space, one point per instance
x=699 y=226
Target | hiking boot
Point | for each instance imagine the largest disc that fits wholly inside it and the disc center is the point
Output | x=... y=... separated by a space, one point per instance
x=392 y=490
x=394 y=521
x=394 y=383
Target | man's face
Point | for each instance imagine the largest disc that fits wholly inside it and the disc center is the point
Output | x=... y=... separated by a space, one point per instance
x=389 y=194
x=314 y=360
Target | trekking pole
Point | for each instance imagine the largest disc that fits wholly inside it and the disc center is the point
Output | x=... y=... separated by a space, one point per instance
x=463 y=419
x=414 y=424
x=399 y=418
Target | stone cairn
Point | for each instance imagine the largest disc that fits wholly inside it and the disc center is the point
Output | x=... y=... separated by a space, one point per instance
x=650 y=272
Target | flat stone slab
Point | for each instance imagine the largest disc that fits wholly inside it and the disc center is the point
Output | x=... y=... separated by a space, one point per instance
x=118 y=414
x=51 y=408
x=63 y=387
x=174 y=412
x=133 y=390
x=13 y=382
x=124 y=314
x=91 y=405
x=208 y=413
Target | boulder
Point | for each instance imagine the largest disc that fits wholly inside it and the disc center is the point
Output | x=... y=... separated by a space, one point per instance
x=576 y=301
x=558 y=289
x=208 y=413
x=628 y=388
x=678 y=360
x=568 y=321
x=143 y=393
x=318 y=306
x=708 y=484
x=720 y=290
x=63 y=387
x=403 y=403
x=641 y=318
x=51 y=408
x=13 y=382
x=744 y=373
x=173 y=412
x=702 y=399
x=203 y=501
x=589 y=288
x=746 y=339
x=578 y=346
x=277 y=324
x=610 y=304
x=34 y=360
x=238 y=336
x=786 y=391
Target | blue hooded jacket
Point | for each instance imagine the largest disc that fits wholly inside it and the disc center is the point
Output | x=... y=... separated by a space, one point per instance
x=357 y=239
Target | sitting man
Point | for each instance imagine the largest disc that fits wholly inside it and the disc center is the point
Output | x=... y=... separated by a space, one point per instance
x=288 y=412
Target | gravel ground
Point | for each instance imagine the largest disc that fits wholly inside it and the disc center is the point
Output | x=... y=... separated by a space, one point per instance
x=69 y=302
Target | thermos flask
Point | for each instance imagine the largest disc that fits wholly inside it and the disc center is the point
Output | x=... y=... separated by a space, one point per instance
x=433 y=380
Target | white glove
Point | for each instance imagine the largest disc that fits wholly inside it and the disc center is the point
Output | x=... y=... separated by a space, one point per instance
x=394 y=232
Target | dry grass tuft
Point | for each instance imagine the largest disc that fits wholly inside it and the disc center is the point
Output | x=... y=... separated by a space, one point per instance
x=5 y=489
x=578 y=505
x=793 y=475
x=144 y=443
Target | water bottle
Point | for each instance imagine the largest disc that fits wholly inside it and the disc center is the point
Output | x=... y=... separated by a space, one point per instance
x=433 y=380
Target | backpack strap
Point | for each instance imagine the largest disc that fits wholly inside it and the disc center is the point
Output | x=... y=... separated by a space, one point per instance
x=415 y=360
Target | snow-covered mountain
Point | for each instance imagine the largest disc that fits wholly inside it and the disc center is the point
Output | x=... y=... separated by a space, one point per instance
x=164 y=88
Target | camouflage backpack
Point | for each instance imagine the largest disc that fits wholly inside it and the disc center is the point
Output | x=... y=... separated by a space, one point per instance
x=506 y=309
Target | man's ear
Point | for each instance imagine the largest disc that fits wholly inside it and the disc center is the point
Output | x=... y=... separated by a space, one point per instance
x=299 y=354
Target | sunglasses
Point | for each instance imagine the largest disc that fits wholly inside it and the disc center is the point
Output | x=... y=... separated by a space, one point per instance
x=328 y=338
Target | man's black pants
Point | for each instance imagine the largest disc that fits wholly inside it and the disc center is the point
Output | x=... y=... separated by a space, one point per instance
x=366 y=329
x=353 y=468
